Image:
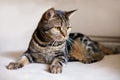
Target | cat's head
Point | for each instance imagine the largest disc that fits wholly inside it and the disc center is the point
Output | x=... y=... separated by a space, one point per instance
x=55 y=24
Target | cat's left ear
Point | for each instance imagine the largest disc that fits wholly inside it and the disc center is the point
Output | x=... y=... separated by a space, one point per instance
x=68 y=13
x=49 y=13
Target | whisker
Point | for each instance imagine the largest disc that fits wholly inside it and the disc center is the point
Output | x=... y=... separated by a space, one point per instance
x=53 y=43
x=74 y=41
x=69 y=43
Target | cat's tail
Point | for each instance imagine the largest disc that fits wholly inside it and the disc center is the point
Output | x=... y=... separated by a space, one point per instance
x=109 y=51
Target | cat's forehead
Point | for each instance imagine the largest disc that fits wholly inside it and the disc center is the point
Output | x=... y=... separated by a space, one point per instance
x=61 y=14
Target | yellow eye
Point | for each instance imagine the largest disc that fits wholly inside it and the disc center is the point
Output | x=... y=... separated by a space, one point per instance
x=68 y=27
x=58 y=28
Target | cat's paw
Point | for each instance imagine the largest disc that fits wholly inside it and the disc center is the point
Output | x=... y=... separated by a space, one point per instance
x=55 y=68
x=13 y=66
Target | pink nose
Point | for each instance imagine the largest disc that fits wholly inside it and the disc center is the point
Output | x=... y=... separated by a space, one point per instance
x=63 y=33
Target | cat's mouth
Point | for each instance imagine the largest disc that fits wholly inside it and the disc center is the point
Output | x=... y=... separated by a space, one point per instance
x=60 y=39
x=56 y=43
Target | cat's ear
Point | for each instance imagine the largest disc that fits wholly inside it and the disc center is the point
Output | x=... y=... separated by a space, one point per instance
x=49 y=13
x=68 y=13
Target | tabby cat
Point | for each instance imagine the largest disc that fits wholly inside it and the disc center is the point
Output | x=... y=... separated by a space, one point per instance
x=53 y=44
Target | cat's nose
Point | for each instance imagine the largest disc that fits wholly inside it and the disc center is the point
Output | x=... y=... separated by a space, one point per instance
x=64 y=33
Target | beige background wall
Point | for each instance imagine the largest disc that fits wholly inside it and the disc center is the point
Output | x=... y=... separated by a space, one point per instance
x=19 y=18
x=94 y=17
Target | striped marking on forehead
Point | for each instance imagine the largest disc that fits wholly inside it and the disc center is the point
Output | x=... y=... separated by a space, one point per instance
x=62 y=18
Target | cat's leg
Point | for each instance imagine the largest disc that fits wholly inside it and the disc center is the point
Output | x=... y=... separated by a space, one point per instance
x=57 y=64
x=22 y=61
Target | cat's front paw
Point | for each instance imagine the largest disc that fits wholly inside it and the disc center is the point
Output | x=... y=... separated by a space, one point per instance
x=13 y=66
x=55 y=68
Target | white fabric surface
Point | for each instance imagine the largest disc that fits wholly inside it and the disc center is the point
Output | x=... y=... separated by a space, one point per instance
x=107 y=69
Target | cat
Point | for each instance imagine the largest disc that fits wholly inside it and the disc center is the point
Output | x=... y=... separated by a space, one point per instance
x=53 y=43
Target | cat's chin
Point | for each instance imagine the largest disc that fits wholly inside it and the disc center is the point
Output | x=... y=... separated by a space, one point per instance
x=59 y=40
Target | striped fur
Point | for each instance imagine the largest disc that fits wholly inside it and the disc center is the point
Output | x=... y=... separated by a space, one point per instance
x=83 y=49
x=53 y=44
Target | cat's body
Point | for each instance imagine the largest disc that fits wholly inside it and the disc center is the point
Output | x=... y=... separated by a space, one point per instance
x=84 y=49
x=53 y=44
x=44 y=53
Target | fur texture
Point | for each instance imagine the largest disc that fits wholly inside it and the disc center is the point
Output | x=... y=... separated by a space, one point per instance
x=53 y=44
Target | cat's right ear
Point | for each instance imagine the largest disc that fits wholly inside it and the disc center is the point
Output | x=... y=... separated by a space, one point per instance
x=68 y=13
x=49 y=13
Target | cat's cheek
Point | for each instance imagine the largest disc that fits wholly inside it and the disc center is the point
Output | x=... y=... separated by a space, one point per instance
x=68 y=31
x=59 y=39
